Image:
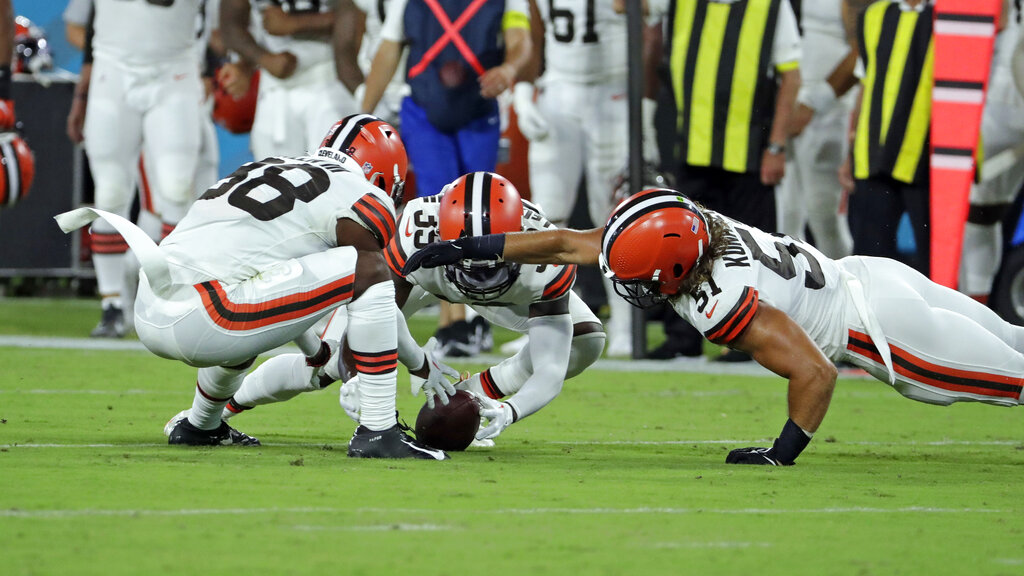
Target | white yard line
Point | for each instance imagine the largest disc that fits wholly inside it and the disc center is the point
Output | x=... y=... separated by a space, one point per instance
x=94 y=512
x=747 y=442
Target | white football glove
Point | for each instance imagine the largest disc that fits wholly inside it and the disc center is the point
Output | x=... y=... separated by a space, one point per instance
x=498 y=415
x=349 y=398
x=436 y=382
x=532 y=123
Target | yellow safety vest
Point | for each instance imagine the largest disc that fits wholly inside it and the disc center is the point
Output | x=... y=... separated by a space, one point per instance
x=897 y=50
x=719 y=60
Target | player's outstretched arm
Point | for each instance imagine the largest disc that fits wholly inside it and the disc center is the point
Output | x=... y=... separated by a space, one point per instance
x=776 y=342
x=560 y=246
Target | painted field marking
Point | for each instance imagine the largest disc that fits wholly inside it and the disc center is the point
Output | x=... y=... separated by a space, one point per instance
x=327 y=445
x=94 y=512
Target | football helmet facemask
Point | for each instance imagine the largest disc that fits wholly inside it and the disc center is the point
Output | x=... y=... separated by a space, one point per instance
x=478 y=204
x=376 y=148
x=650 y=243
x=31 y=50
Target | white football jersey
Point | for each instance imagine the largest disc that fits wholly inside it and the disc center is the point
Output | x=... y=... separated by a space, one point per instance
x=145 y=32
x=824 y=40
x=584 y=41
x=271 y=211
x=308 y=50
x=417 y=227
x=781 y=271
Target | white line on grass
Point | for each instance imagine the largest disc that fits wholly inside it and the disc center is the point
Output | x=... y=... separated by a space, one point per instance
x=96 y=392
x=93 y=512
x=375 y=528
x=555 y=442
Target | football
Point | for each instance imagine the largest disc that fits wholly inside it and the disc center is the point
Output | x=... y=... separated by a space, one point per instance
x=451 y=427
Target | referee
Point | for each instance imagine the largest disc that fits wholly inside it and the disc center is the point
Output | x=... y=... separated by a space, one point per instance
x=890 y=128
x=734 y=74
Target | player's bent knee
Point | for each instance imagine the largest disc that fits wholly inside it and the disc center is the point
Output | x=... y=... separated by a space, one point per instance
x=586 y=349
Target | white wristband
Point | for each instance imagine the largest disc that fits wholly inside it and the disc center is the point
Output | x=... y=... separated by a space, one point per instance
x=818 y=96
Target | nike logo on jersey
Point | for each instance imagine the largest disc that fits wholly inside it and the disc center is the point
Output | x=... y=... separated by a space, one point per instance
x=712 y=311
x=179 y=77
x=408 y=232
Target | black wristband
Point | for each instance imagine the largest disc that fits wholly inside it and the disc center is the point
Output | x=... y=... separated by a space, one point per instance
x=5 y=82
x=489 y=247
x=790 y=443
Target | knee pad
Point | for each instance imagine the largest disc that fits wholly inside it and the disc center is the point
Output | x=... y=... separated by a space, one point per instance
x=586 y=349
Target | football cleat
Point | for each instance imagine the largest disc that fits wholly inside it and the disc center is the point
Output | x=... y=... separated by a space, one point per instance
x=184 y=433
x=174 y=421
x=390 y=443
x=111 y=324
x=482 y=338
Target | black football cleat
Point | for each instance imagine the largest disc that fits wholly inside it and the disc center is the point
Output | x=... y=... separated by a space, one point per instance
x=111 y=324
x=390 y=443
x=185 y=434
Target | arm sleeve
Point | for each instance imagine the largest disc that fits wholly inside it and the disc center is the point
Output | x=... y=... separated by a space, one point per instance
x=517 y=15
x=724 y=316
x=393 y=28
x=550 y=345
x=77 y=12
x=786 y=50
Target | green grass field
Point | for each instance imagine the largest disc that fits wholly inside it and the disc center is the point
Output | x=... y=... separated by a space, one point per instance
x=623 y=474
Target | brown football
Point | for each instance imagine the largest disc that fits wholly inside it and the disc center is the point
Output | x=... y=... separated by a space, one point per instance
x=451 y=427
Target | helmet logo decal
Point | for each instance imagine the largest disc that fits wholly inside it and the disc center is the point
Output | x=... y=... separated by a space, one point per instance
x=367 y=167
x=694 y=226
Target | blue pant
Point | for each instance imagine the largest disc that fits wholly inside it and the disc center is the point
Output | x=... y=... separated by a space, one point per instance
x=440 y=157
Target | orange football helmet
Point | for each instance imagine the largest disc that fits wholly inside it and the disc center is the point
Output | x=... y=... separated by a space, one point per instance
x=19 y=167
x=650 y=243
x=375 y=146
x=478 y=204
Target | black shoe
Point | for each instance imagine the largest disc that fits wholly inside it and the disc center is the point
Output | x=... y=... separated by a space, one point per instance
x=670 y=350
x=111 y=324
x=390 y=443
x=457 y=340
x=186 y=434
x=481 y=337
x=734 y=356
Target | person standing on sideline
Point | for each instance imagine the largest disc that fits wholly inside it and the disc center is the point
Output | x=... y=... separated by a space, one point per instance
x=462 y=54
x=890 y=126
x=141 y=80
x=734 y=69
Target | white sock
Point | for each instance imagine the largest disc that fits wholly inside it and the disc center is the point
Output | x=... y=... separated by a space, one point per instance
x=278 y=379
x=214 y=388
x=373 y=337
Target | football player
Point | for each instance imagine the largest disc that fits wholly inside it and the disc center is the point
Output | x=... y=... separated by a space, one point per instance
x=144 y=95
x=565 y=336
x=308 y=53
x=786 y=304
x=260 y=258
x=584 y=49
